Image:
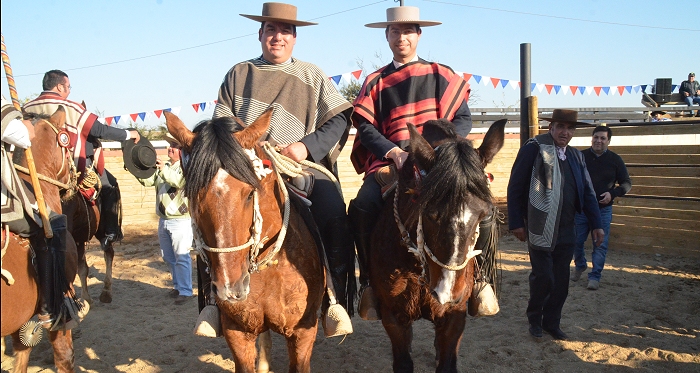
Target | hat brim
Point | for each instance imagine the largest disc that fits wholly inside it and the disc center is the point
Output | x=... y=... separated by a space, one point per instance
x=412 y=22
x=294 y=22
x=567 y=122
x=127 y=149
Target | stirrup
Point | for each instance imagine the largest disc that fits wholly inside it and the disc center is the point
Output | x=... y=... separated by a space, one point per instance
x=367 y=308
x=336 y=321
x=208 y=322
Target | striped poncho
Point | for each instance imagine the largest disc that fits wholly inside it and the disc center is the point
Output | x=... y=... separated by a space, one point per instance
x=414 y=93
x=300 y=93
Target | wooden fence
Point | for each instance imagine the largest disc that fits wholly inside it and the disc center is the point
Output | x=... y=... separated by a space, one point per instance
x=661 y=214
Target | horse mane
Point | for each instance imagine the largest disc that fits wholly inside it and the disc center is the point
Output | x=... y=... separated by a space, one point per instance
x=456 y=173
x=214 y=148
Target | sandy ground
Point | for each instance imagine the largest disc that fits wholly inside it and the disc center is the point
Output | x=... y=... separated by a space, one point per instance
x=645 y=317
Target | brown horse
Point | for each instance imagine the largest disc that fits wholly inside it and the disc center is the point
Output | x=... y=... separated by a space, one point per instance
x=422 y=251
x=262 y=258
x=84 y=223
x=20 y=300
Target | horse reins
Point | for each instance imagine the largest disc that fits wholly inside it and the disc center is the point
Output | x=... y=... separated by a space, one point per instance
x=420 y=249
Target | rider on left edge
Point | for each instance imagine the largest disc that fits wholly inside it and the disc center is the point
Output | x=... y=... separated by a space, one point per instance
x=21 y=219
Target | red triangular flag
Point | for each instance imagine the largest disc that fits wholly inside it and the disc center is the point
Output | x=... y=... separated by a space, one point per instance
x=549 y=88
x=357 y=74
x=621 y=89
x=467 y=77
x=109 y=120
x=158 y=113
x=134 y=116
x=215 y=101
x=196 y=108
x=495 y=82
x=597 y=90
x=573 y=88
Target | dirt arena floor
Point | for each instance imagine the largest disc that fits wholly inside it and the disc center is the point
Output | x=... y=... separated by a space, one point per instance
x=645 y=317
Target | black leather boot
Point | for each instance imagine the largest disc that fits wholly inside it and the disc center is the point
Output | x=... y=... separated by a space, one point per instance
x=51 y=265
x=363 y=223
x=338 y=244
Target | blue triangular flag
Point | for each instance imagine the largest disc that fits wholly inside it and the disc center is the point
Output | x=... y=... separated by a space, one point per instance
x=504 y=83
x=606 y=90
x=168 y=109
x=556 y=89
x=673 y=87
x=116 y=119
x=628 y=88
x=644 y=88
x=533 y=86
x=636 y=89
x=477 y=78
x=581 y=89
x=202 y=106
x=142 y=115
x=336 y=78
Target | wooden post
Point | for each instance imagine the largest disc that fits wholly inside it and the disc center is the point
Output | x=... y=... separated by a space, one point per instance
x=534 y=119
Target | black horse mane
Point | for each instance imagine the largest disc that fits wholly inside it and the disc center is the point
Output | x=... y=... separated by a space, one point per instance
x=456 y=173
x=215 y=148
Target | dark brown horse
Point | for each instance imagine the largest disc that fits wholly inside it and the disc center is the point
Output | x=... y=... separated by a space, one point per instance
x=422 y=251
x=20 y=300
x=84 y=223
x=263 y=260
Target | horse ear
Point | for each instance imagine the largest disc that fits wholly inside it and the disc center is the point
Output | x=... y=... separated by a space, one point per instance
x=178 y=130
x=252 y=134
x=423 y=153
x=493 y=141
x=58 y=118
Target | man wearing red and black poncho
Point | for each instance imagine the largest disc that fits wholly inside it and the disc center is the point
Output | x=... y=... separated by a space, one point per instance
x=407 y=90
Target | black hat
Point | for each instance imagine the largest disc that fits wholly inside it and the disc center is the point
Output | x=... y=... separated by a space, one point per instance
x=139 y=158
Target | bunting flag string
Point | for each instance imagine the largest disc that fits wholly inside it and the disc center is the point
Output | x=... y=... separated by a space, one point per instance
x=354 y=76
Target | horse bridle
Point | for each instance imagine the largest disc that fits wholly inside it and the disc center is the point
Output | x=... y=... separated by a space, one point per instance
x=420 y=249
x=255 y=241
x=64 y=150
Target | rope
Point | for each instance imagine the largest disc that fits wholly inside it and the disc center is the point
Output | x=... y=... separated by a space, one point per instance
x=5 y=273
x=43 y=177
x=290 y=167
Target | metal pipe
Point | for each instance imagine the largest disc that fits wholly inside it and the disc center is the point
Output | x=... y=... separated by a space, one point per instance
x=524 y=92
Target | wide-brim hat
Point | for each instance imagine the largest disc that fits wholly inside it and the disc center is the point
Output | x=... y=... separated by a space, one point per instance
x=172 y=140
x=403 y=14
x=139 y=158
x=279 y=12
x=565 y=116
x=658 y=112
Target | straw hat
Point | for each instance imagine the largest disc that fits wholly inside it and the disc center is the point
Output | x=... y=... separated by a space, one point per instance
x=279 y=12
x=565 y=116
x=139 y=158
x=403 y=14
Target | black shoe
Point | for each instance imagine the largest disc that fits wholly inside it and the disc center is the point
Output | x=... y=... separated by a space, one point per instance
x=556 y=333
x=173 y=293
x=536 y=331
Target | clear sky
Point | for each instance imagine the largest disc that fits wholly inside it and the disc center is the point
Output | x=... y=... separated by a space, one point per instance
x=132 y=56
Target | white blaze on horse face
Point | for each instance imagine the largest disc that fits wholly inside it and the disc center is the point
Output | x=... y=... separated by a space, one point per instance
x=221 y=188
x=447 y=282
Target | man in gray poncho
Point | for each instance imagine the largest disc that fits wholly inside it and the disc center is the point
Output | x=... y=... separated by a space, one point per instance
x=310 y=121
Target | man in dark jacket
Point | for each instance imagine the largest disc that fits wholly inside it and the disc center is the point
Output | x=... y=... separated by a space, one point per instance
x=606 y=169
x=548 y=185
x=690 y=90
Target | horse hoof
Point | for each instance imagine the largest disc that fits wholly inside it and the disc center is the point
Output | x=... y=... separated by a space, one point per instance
x=106 y=297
